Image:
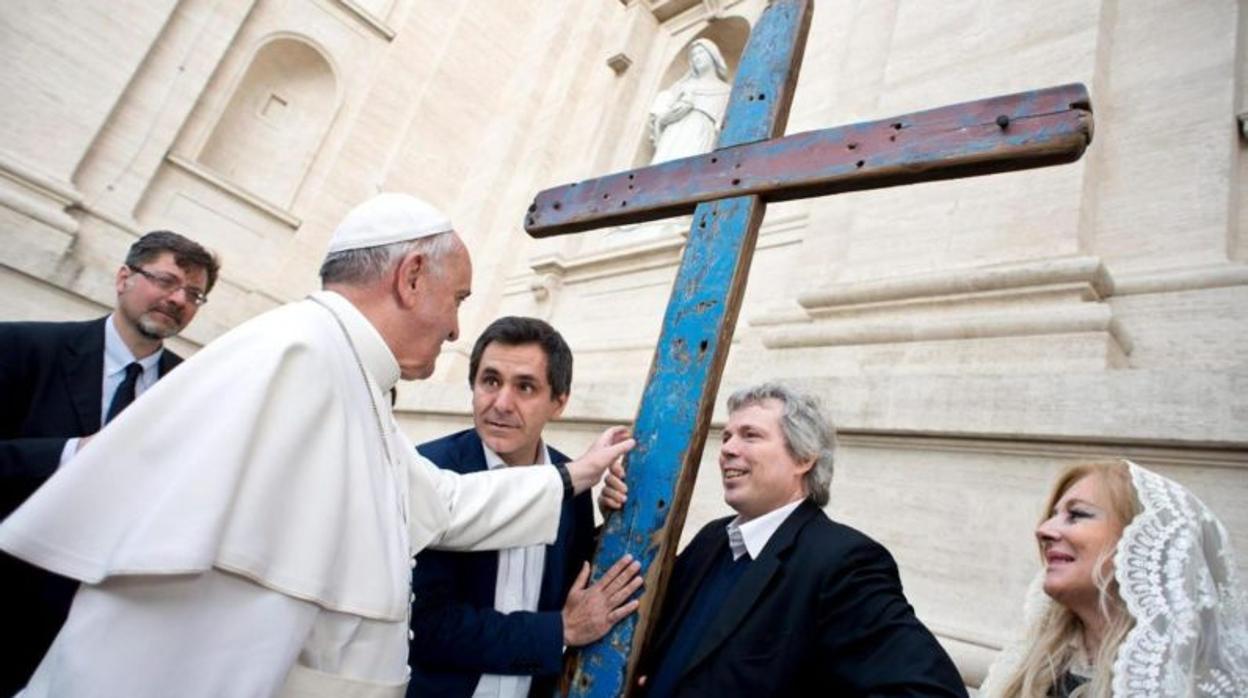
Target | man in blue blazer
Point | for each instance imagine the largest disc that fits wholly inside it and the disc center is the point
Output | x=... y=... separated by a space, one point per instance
x=60 y=382
x=495 y=623
x=780 y=600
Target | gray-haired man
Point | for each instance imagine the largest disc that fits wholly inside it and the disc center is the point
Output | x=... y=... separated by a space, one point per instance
x=780 y=600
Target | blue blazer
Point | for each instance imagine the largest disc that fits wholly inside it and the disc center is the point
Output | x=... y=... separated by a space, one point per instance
x=458 y=636
x=819 y=613
x=51 y=378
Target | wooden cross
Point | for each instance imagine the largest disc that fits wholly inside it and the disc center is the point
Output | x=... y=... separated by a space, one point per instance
x=727 y=190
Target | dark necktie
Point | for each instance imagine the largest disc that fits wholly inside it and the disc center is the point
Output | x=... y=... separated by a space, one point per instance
x=125 y=392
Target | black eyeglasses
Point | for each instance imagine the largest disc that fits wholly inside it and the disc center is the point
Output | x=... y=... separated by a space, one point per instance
x=171 y=284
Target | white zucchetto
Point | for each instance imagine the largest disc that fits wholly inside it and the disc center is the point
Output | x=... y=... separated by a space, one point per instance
x=388 y=218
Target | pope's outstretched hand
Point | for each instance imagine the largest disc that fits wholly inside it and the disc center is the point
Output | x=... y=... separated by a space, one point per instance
x=587 y=470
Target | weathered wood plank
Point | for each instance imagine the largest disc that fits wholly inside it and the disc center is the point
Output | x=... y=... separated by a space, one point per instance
x=1001 y=134
x=693 y=346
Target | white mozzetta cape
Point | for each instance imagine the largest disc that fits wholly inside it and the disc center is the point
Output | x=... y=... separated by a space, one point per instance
x=261 y=456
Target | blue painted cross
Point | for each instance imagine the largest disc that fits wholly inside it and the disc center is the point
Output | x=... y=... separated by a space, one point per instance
x=727 y=190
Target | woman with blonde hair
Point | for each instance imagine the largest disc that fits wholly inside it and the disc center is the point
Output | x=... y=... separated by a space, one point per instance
x=1138 y=595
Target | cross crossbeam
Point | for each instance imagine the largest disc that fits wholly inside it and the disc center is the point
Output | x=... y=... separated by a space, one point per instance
x=1011 y=132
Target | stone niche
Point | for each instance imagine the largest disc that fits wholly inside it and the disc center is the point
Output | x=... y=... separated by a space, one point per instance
x=729 y=35
x=274 y=122
x=245 y=158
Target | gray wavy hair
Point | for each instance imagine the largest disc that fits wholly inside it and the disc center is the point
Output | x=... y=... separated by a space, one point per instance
x=366 y=265
x=808 y=432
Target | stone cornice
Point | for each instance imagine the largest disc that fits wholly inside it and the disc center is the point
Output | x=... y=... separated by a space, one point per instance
x=212 y=178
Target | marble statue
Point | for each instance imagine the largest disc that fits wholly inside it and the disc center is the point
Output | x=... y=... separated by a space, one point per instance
x=685 y=118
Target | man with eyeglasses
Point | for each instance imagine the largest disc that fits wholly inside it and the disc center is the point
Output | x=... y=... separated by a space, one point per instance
x=61 y=382
x=250 y=527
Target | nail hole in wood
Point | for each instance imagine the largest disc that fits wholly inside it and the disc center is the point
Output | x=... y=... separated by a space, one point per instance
x=860 y=163
x=556 y=205
x=852 y=146
x=735 y=182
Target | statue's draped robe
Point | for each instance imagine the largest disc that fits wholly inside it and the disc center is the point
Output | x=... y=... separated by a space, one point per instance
x=696 y=131
x=240 y=529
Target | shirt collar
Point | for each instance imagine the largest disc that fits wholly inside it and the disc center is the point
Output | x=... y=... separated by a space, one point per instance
x=493 y=461
x=752 y=536
x=117 y=355
x=375 y=354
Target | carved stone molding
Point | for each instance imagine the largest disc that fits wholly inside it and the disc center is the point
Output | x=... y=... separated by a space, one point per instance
x=1083 y=318
x=215 y=180
x=1085 y=273
x=1186 y=279
x=651 y=253
x=543 y=286
x=1061 y=296
x=664 y=10
x=364 y=16
x=30 y=192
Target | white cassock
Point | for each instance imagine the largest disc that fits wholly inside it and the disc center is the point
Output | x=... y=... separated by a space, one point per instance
x=240 y=529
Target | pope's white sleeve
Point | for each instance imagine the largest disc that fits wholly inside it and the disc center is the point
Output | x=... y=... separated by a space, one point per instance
x=496 y=509
x=210 y=634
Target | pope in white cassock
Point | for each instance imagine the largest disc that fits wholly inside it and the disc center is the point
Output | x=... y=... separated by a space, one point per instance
x=248 y=527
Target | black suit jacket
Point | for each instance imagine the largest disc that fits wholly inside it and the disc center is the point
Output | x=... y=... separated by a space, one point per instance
x=457 y=634
x=51 y=378
x=51 y=375
x=819 y=613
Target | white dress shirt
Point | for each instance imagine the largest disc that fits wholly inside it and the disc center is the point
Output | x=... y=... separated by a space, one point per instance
x=116 y=357
x=752 y=536
x=518 y=586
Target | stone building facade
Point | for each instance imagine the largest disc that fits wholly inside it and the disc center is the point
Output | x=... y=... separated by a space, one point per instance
x=970 y=336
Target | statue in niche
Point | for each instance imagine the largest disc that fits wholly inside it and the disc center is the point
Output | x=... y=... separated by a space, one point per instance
x=685 y=118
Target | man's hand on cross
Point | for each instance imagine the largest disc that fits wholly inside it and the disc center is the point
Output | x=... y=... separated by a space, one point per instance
x=591 y=611
x=614 y=491
x=587 y=470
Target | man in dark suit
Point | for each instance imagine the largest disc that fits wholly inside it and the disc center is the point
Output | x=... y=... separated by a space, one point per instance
x=495 y=623
x=780 y=600
x=61 y=382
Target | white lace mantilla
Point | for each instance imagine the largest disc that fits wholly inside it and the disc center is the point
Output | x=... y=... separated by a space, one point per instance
x=1177 y=575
